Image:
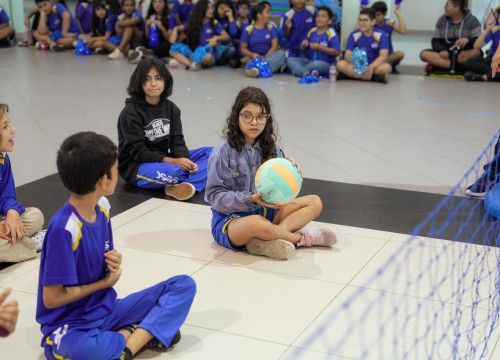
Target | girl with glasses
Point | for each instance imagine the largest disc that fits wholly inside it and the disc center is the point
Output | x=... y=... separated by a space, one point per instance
x=241 y=220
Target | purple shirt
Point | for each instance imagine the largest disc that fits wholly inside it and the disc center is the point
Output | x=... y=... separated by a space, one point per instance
x=183 y=9
x=302 y=22
x=137 y=15
x=329 y=38
x=54 y=20
x=388 y=28
x=372 y=44
x=4 y=18
x=259 y=40
x=207 y=31
x=84 y=13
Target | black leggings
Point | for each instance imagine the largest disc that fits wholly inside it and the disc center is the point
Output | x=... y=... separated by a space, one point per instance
x=481 y=66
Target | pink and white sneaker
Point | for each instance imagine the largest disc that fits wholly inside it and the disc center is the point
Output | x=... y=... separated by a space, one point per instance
x=317 y=237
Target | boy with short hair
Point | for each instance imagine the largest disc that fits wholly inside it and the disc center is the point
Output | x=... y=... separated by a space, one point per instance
x=456 y=31
x=77 y=306
x=375 y=43
x=56 y=26
x=321 y=47
x=388 y=26
x=7 y=32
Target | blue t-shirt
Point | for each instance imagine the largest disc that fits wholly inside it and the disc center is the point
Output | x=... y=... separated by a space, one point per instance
x=259 y=40
x=493 y=35
x=183 y=9
x=137 y=15
x=108 y=26
x=84 y=13
x=236 y=28
x=224 y=22
x=388 y=28
x=54 y=20
x=328 y=38
x=72 y=255
x=4 y=18
x=372 y=44
x=208 y=31
x=302 y=22
x=8 y=188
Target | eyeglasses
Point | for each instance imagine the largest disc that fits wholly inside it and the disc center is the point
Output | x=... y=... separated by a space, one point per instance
x=364 y=20
x=248 y=118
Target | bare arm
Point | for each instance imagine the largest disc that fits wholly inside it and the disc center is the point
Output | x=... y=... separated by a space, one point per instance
x=400 y=26
x=66 y=21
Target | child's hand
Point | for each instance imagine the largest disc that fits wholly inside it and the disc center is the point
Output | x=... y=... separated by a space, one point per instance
x=288 y=23
x=186 y=164
x=257 y=199
x=314 y=46
x=14 y=226
x=112 y=278
x=296 y=164
x=3 y=232
x=397 y=10
x=8 y=314
x=462 y=42
x=213 y=41
x=113 y=260
x=444 y=54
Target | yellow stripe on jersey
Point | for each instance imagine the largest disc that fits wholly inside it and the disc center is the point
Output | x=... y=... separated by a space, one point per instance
x=104 y=206
x=48 y=341
x=311 y=31
x=377 y=35
x=59 y=357
x=331 y=33
x=2 y=160
x=290 y=13
x=495 y=29
x=74 y=227
x=311 y=9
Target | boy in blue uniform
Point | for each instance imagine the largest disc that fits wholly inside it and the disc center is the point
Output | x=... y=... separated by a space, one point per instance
x=7 y=32
x=479 y=69
x=388 y=26
x=376 y=45
x=77 y=307
x=322 y=44
x=56 y=26
x=296 y=24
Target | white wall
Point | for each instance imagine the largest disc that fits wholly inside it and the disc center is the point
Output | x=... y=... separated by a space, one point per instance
x=16 y=13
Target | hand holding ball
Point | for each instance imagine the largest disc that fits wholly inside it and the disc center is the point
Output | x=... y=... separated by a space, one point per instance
x=278 y=181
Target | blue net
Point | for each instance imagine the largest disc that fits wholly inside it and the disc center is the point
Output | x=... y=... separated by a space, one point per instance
x=434 y=296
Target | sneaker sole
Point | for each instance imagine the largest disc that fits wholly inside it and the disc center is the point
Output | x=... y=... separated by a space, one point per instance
x=332 y=233
x=274 y=249
x=182 y=191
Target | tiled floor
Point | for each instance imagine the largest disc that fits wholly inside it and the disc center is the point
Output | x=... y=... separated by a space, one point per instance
x=416 y=133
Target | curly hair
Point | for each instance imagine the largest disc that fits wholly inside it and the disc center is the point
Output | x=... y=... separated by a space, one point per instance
x=268 y=137
x=196 y=22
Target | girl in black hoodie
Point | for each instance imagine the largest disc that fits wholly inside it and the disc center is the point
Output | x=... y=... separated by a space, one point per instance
x=152 y=153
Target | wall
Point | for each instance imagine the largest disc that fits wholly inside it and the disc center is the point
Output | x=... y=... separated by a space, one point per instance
x=16 y=13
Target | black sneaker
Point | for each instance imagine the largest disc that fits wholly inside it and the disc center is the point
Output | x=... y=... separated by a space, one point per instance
x=342 y=76
x=57 y=48
x=234 y=63
x=480 y=187
x=158 y=346
x=380 y=78
x=470 y=76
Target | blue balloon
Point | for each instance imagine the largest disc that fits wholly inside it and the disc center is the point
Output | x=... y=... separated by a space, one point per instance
x=492 y=202
x=81 y=49
x=359 y=59
x=154 y=38
x=262 y=66
x=308 y=79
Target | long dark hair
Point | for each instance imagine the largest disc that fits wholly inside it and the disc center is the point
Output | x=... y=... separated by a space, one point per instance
x=268 y=137
x=97 y=23
x=163 y=15
x=138 y=79
x=196 y=22
x=229 y=4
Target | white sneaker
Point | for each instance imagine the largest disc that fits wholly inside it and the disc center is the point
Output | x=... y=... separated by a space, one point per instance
x=39 y=236
x=253 y=72
x=173 y=63
x=274 y=249
x=116 y=55
x=195 y=66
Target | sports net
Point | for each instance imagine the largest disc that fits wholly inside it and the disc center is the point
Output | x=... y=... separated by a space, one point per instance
x=431 y=298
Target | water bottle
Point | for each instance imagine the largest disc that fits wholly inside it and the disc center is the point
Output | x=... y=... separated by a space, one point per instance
x=333 y=73
x=454 y=54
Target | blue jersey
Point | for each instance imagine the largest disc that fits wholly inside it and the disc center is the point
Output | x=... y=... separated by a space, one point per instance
x=84 y=13
x=493 y=35
x=259 y=40
x=73 y=255
x=183 y=9
x=302 y=22
x=224 y=22
x=8 y=188
x=54 y=20
x=329 y=38
x=137 y=15
x=108 y=26
x=388 y=28
x=236 y=28
x=372 y=44
x=208 y=31
x=4 y=18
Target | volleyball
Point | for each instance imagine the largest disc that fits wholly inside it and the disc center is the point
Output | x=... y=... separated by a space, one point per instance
x=278 y=181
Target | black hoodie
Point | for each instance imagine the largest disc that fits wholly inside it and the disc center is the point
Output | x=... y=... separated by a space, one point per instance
x=148 y=133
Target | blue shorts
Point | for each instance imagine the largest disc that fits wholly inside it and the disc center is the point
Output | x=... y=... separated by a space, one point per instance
x=115 y=40
x=220 y=222
x=56 y=35
x=160 y=309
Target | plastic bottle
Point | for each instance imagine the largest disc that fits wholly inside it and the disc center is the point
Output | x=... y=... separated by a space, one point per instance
x=454 y=54
x=333 y=73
